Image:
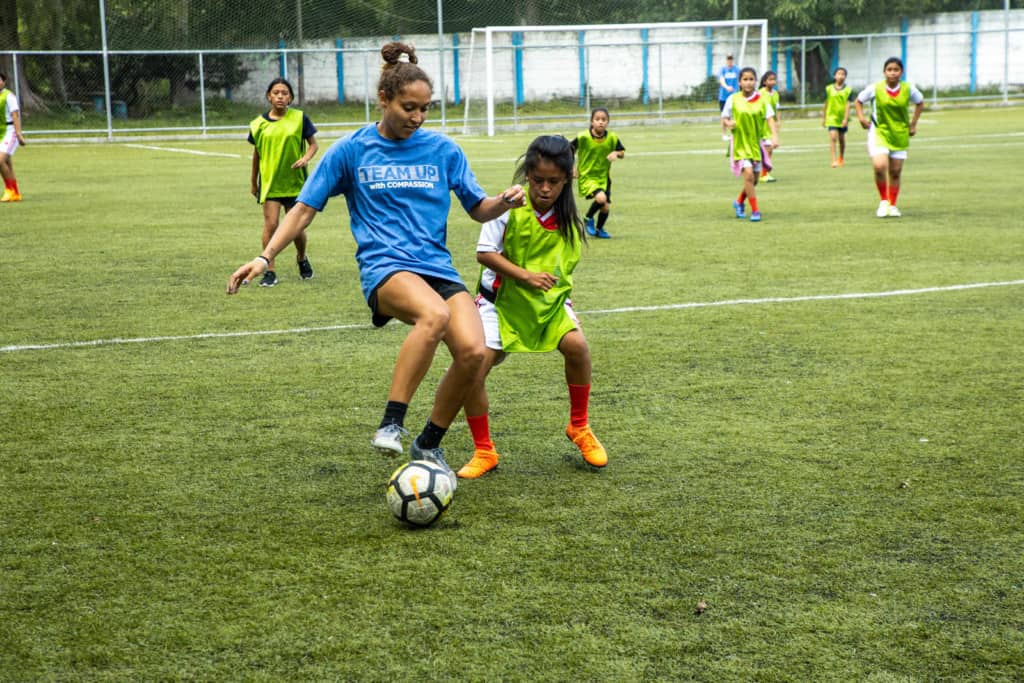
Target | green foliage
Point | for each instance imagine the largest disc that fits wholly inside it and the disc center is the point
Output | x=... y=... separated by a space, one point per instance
x=838 y=480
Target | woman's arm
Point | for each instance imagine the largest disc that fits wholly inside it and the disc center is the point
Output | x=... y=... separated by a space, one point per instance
x=293 y=223
x=489 y=208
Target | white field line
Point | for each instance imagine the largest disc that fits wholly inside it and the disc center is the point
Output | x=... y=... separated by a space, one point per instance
x=998 y=140
x=605 y=311
x=181 y=150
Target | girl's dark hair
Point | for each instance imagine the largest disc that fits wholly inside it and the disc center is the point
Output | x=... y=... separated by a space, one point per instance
x=893 y=60
x=746 y=69
x=395 y=73
x=767 y=74
x=838 y=69
x=3 y=76
x=284 y=82
x=597 y=109
x=557 y=150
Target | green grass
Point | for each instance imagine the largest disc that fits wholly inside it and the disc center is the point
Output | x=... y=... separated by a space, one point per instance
x=838 y=479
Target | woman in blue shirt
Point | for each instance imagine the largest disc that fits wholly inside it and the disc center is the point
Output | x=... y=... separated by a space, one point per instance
x=397 y=180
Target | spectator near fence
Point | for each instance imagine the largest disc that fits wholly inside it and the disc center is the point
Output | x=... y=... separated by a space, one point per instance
x=728 y=82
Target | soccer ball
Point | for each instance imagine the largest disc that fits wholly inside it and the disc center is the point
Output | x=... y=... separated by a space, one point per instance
x=419 y=492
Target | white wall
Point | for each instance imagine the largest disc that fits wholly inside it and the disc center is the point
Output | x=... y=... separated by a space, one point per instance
x=677 y=61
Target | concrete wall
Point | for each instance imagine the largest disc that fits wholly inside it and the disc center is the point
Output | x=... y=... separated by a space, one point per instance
x=938 y=55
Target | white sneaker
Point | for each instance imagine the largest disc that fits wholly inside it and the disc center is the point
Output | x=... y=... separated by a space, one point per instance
x=883 y=209
x=436 y=456
x=894 y=212
x=388 y=439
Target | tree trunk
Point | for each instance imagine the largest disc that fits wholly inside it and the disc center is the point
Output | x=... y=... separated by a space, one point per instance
x=9 y=40
x=57 y=43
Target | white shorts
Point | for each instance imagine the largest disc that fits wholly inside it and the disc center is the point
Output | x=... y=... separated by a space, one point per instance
x=876 y=147
x=751 y=164
x=489 y=317
x=10 y=141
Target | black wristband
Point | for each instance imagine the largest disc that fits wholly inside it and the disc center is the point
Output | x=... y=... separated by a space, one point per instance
x=265 y=259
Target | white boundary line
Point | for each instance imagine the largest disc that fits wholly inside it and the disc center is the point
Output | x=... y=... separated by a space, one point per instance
x=605 y=311
x=182 y=150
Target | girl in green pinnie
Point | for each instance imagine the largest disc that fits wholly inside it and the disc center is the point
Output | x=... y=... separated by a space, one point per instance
x=596 y=149
x=284 y=142
x=528 y=256
x=745 y=114
x=890 y=128
x=836 y=115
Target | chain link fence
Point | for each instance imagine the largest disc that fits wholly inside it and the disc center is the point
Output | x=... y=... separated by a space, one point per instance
x=118 y=93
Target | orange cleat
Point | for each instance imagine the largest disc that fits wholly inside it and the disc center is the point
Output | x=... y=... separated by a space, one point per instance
x=11 y=196
x=480 y=464
x=591 y=449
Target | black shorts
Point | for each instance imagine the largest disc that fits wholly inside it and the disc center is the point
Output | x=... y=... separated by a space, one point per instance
x=607 y=192
x=841 y=129
x=445 y=288
x=286 y=202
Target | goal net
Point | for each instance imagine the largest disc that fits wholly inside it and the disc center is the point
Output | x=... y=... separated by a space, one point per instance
x=662 y=67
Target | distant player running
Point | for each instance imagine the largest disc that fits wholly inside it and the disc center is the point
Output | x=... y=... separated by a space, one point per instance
x=835 y=116
x=767 y=88
x=596 y=149
x=745 y=114
x=10 y=138
x=284 y=141
x=889 y=130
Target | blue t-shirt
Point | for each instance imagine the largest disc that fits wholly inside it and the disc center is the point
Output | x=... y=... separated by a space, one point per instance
x=398 y=194
x=731 y=76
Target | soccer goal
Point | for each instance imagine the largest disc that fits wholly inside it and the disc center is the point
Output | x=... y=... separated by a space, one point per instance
x=597 y=63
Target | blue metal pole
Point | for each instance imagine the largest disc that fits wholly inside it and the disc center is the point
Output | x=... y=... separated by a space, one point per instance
x=517 y=44
x=644 y=35
x=974 y=51
x=835 y=54
x=581 y=37
x=455 y=68
x=709 y=50
x=904 y=27
x=789 y=68
x=339 y=65
x=282 y=61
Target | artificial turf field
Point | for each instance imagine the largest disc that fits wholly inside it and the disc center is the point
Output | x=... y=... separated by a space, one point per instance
x=814 y=423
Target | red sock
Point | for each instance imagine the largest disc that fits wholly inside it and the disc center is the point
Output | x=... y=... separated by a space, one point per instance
x=480 y=428
x=883 y=189
x=579 y=399
x=742 y=198
x=9 y=184
x=753 y=203
x=894 y=192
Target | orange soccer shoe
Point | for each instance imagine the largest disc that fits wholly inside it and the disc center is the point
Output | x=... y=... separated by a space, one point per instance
x=481 y=463
x=592 y=450
x=11 y=196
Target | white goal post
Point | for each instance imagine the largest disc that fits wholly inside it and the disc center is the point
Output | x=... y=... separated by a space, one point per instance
x=550 y=61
